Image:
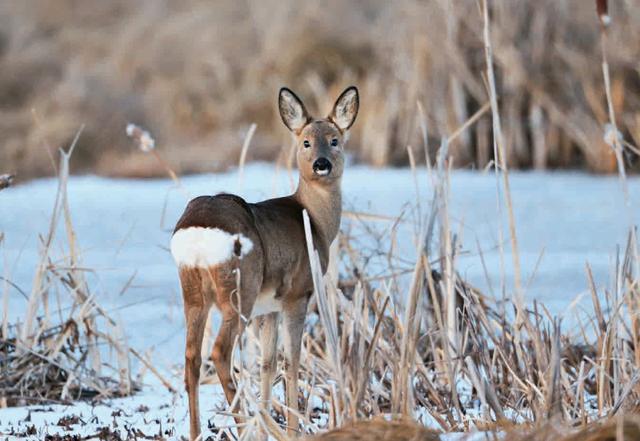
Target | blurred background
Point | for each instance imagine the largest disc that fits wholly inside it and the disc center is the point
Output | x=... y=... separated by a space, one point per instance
x=197 y=74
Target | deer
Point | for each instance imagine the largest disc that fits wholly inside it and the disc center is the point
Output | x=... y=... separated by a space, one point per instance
x=250 y=260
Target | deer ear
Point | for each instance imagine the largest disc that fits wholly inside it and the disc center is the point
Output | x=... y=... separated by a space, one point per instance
x=346 y=108
x=292 y=111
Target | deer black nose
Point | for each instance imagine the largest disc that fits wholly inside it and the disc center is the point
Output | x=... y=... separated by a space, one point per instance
x=322 y=166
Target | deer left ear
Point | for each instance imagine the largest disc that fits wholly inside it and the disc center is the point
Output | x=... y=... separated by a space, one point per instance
x=292 y=111
x=345 y=109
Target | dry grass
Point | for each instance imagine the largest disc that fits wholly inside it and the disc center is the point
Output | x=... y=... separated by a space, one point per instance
x=199 y=74
x=621 y=428
x=379 y=430
x=450 y=356
x=443 y=353
x=438 y=351
x=616 y=429
x=56 y=355
x=435 y=350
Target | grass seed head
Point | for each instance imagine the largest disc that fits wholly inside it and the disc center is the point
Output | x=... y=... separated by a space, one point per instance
x=142 y=138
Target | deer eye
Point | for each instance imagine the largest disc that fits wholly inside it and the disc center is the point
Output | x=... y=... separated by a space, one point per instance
x=307 y=144
x=334 y=142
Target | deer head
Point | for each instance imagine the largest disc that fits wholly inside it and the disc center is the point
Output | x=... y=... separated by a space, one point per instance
x=320 y=142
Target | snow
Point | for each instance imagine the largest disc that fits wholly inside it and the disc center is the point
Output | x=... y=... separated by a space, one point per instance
x=155 y=412
x=564 y=220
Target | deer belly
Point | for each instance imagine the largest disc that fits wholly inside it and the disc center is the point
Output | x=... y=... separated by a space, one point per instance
x=266 y=303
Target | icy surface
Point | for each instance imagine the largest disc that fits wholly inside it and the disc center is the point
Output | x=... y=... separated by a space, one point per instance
x=123 y=226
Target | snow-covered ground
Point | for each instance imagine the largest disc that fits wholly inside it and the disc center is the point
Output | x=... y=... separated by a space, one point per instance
x=152 y=415
x=563 y=221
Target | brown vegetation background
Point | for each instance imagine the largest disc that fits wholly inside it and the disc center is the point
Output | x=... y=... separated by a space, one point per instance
x=198 y=73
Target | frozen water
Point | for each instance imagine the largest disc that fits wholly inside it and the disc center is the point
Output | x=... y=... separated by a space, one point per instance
x=563 y=220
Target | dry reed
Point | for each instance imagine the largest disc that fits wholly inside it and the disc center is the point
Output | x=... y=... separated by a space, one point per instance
x=439 y=351
x=443 y=353
x=48 y=360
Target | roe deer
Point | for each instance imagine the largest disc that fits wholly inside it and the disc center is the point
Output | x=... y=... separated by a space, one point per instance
x=251 y=258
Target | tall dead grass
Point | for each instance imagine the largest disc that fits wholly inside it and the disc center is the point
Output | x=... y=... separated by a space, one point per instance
x=65 y=347
x=618 y=429
x=445 y=354
x=198 y=74
x=438 y=351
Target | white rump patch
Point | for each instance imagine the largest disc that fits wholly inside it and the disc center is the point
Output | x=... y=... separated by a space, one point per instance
x=266 y=303
x=205 y=247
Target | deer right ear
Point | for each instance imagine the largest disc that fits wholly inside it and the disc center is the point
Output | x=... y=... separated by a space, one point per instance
x=345 y=109
x=292 y=111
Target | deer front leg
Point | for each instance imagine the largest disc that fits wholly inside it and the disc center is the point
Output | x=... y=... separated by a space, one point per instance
x=268 y=346
x=293 y=325
x=268 y=334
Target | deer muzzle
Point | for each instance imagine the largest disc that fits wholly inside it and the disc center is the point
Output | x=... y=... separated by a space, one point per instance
x=322 y=167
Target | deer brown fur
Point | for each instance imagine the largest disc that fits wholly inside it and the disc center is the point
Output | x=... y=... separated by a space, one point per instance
x=251 y=258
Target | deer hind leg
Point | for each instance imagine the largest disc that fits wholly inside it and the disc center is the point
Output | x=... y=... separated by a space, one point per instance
x=223 y=351
x=196 y=310
x=293 y=325
x=232 y=302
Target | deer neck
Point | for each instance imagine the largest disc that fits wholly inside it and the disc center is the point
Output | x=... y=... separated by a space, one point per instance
x=323 y=202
